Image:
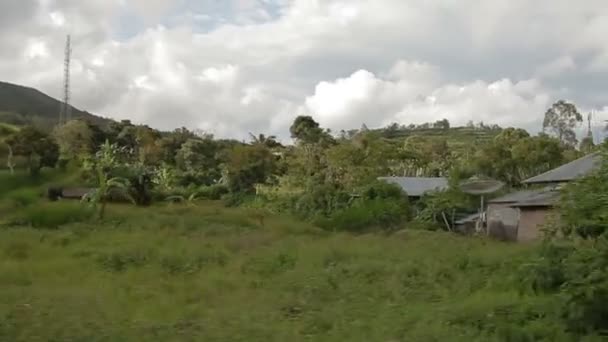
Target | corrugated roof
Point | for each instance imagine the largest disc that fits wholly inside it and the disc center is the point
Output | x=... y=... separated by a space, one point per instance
x=515 y=197
x=467 y=219
x=520 y=196
x=418 y=186
x=570 y=171
x=542 y=199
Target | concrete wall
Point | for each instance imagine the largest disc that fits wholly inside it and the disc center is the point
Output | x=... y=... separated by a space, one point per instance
x=502 y=221
x=530 y=223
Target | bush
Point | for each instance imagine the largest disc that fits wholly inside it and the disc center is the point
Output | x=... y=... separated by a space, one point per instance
x=578 y=274
x=23 y=198
x=384 y=190
x=547 y=273
x=377 y=213
x=53 y=215
x=212 y=192
x=321 y=201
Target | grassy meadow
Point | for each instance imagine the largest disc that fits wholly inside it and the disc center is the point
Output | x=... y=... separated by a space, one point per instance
x=204 y=272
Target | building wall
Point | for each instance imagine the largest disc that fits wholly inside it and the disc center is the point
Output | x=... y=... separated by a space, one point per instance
x=502 y=221
x=531 y=222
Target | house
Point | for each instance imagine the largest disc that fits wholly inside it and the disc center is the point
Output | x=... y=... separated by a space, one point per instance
x=520 y=216
x=416 y=187
x=504 y=214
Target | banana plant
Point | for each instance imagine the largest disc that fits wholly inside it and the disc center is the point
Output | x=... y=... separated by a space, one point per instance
x=105 y=161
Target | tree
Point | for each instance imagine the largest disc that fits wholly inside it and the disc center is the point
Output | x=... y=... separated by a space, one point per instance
x=201 y=159
x=123 y=134
x=268 y=141
x=306 y=130
x=172 y=142
x=36 y=147
x=561 y=119
x=248 y=165
x=442 y=124
x=75 y=140
x=148 y=148
x=513 y=156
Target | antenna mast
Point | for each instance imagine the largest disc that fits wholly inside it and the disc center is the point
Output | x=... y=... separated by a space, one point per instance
x=65 y=114
x=589 y=134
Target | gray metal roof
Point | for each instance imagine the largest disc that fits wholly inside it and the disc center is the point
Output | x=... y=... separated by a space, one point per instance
x=541 y=199
x=418 y=186
x=520 y=196
x=570 y=171
x=467 y=219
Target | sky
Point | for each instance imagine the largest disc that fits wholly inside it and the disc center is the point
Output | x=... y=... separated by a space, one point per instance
x=234 y=67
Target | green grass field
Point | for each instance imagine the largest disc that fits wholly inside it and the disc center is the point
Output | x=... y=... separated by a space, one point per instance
x=209 y=273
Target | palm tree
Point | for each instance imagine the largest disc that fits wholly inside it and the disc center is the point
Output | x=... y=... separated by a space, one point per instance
x=261 y=139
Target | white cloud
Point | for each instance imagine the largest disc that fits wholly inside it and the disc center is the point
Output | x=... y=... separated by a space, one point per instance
x=346 y=62
x=366 y=98
x=36 y=49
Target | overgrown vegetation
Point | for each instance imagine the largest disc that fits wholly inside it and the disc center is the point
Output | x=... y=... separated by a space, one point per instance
x=215 y=273
x=186 y=237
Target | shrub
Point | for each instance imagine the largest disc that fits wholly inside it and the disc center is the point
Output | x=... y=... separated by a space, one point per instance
x=377 y=213
x=53 y=215
x=547 y=273
x=23 y=198
x=212 y=192
x=578 y=274
x=384 y=190
x=321 y=201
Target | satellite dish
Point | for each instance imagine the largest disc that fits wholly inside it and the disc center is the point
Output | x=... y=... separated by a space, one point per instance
x=476 y=186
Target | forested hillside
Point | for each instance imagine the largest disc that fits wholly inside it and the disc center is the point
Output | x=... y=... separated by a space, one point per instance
x=27 y=106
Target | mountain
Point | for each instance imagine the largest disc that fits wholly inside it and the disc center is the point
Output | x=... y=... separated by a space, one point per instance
x=22 y=106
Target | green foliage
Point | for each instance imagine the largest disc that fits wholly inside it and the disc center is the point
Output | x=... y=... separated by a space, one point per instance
x=23 y=197
x=384 y=214
x=514 y=156
x=36 y=147
x=379 y=205
x=52 y=215
x=144 y=274
x=577 y=275
x=213 y=192
x=439 y=208
x=584 y=204
x=306 y=130
x=103 y=166
x=75 y=140
x=247 y=166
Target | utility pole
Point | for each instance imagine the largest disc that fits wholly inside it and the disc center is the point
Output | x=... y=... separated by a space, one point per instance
x=65 y=113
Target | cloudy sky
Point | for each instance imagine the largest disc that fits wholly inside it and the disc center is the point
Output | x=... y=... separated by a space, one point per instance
x=236 y=66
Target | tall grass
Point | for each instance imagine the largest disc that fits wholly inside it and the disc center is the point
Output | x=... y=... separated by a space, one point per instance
x=211 y=273
x=23 y=180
